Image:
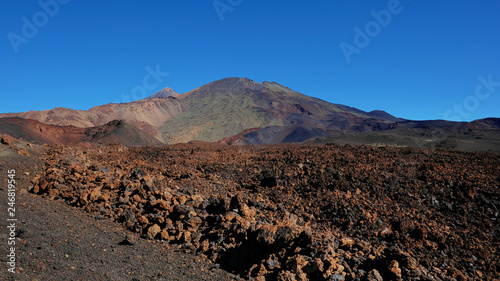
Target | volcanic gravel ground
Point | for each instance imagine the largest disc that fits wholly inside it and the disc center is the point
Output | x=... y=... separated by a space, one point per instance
x=296 y=212
x=57 y=242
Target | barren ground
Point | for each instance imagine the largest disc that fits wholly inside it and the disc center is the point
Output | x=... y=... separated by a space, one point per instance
x=59 y=242
x=288 y=212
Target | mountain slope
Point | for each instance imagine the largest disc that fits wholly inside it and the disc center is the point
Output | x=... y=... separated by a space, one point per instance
x=39 y=133
x=118 y=131
x=229 y=106
x=113 y=132
x=384 y=115
x=478 y=135
x=145 y=114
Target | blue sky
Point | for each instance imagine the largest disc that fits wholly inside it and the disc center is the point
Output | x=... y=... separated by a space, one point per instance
x=429 y=60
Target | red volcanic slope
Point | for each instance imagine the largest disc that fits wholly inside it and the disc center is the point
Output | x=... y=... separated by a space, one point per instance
x=39 y=133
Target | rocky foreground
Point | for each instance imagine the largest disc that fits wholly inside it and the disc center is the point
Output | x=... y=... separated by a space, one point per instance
x=296 y=212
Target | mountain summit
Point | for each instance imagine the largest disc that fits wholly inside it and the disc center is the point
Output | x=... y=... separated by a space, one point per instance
x=164 y=93
x=229 y=106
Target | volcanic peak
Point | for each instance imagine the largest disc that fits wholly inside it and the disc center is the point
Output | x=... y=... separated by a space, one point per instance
x=164 y=93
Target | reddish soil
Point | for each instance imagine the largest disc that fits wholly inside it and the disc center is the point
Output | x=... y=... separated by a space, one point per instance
x=289 y=212
x=112 y=132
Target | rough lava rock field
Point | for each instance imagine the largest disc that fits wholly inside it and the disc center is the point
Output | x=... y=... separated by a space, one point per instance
x=295 y=212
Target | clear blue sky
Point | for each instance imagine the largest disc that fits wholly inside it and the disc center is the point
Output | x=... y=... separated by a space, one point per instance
x=421 y=64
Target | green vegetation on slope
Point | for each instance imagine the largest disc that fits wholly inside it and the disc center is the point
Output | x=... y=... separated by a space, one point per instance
x=229 y=106
x=215 y=116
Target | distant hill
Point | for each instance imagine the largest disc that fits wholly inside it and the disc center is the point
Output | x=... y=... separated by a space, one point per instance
x=384 y=115
x=479 y=135
x=146 y=115
x=38 y=133
x=118 y=131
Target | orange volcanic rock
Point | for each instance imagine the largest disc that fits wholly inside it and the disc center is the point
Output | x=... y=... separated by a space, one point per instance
x=295 y=212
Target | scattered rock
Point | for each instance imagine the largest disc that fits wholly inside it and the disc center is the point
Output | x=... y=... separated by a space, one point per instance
x=7 y=140
x=126 y=242
x=153 y=231
x=337 y=277
x=345 y=213
x=374 y=275
x=394 y=268
x=23 y=152
x=286 y=276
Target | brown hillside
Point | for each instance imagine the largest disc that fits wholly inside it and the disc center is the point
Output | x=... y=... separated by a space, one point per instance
x=146 y=114
x=113 y=132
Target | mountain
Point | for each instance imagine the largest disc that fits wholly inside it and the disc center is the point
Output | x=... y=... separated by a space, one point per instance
x=113 y=132
x=164 y=93
x=231 y=110
x=229 y=106
x=146 y=115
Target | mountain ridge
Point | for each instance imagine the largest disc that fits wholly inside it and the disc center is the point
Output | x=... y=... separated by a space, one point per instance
x=241 y=111
x=241 y=103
